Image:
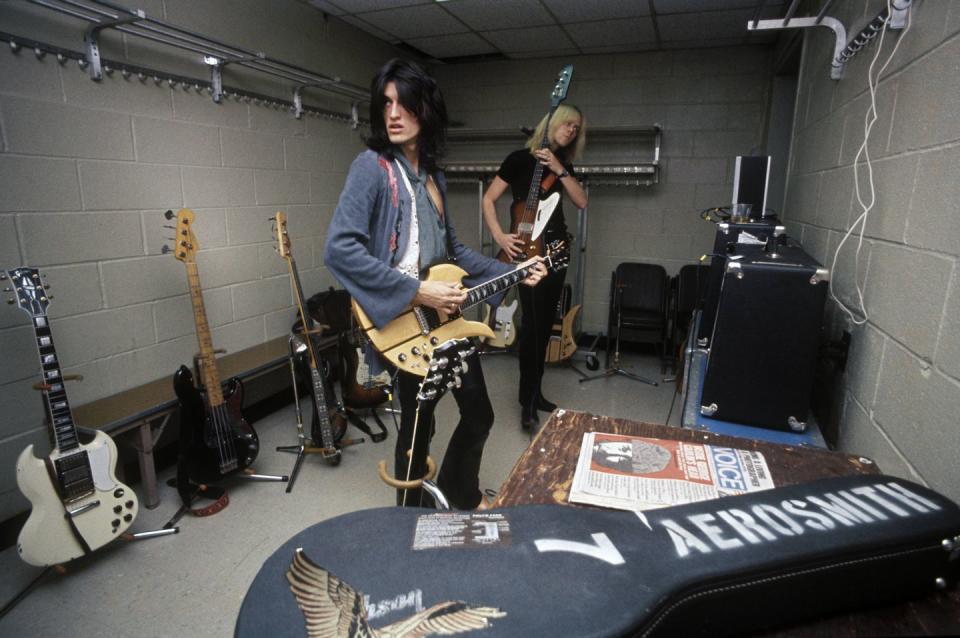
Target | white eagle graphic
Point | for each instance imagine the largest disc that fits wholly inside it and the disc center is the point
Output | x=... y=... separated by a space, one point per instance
x=334 y=609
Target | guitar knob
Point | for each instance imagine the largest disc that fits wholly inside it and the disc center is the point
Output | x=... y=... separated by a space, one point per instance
x=434 y=341
x=128 y=517
x=401 y=357
x=415 y=351
x=117 y=509
x=118 y=493
x=115 y=522
x=129 y=505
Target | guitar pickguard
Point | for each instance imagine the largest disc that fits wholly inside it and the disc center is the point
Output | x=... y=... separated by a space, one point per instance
x=544 y=213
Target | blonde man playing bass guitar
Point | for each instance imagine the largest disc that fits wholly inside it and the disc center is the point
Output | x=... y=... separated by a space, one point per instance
x=557 y=141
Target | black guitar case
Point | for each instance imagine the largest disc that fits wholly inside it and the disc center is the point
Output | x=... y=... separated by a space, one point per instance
x=713 y=568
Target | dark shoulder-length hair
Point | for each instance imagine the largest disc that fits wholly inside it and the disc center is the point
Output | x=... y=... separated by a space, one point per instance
x=420 y=95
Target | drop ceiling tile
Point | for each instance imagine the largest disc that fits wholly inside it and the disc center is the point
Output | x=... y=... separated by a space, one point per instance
x=631 y=31
x=327 y=7
x=704 y=26
x=415 y=22
x=450 y=46
x=580 y=10
x=620 y=48
x=361 y=6
x=544 y=53
x=529 y=39
x=694 y=6
x=369 y=28
x=702 y=43
x=484 y=15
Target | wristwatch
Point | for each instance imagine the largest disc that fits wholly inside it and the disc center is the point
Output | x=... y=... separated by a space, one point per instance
x=563 y=174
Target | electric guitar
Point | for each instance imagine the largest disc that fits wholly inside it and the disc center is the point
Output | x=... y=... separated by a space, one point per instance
x=501 y=322
x=562 y=345
x=330 y=424
x=215 y=440
x=443 y=372
x=530 y=217
x=409 y=341
x=78 y=505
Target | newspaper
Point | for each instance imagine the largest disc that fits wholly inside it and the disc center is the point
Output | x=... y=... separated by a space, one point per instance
x=639 y=473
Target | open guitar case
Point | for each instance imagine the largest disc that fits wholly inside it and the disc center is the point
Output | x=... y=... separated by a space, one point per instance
x=337 y=348
x=726 y=566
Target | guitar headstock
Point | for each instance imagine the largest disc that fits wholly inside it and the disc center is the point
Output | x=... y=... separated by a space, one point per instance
x=446 y=366
x=283 y=239
x=560 y=89
x=558 y=254
x=186 y=242
x=29 y=290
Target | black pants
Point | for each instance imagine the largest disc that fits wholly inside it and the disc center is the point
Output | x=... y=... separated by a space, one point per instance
x=539 y=307
x=459 y=477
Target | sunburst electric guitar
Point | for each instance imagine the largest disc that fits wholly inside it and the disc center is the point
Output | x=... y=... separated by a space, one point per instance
x=528 y=218
x=409 y=341
x=78 y=503
x=215 y=439
x=328 y=424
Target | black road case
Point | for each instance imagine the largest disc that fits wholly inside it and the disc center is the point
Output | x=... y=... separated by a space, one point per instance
x=763 y=348
x=730 y=237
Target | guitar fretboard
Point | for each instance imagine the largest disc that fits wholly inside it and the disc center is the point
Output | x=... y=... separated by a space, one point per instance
x=211 y=377
x=61 y=418
x=488 y=289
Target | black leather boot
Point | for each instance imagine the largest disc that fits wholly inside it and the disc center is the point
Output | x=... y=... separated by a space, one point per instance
x=528 y=417
x=543 y=404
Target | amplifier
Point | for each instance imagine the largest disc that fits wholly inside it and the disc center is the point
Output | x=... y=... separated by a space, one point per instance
x=763 y=348
x=730 y=237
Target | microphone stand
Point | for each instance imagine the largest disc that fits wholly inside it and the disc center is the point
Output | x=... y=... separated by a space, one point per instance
x=615 y=369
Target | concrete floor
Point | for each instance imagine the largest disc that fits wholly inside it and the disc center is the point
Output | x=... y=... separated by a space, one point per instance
x=192 y=583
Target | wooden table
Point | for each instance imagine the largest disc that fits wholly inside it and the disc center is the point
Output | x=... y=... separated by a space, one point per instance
x=544 y=474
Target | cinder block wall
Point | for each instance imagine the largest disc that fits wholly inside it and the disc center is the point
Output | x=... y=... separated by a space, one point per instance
x=712 y=105
x=88 y=168
x=901 y=391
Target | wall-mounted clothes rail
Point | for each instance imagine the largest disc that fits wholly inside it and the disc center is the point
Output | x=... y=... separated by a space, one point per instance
x=103 y=15
x=131 y=72
x=843 y=50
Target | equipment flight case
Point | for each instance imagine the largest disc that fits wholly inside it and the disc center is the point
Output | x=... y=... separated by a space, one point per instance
x=765 y=339
x=730 y=236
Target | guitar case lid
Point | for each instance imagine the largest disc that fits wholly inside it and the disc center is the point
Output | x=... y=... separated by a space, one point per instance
x=716 y=567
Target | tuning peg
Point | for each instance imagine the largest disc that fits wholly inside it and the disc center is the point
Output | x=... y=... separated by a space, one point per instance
x=46 y=286
x=3 y=277
x=168 y=214
x=170 y=227
x=10 y=301
x=165 y=249
x=8 y=290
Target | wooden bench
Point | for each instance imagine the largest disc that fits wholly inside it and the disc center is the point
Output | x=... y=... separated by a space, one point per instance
x=139 y=415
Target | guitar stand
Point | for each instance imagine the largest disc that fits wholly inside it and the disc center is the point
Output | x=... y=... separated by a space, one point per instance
x=615 y=369
x=304 y=445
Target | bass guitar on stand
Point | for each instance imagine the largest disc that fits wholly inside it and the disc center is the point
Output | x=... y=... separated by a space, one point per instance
x=215 y=440
x=78 y=505
x=529 y=217
x=329 y=424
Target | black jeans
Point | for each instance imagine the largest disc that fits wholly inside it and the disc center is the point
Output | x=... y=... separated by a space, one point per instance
x=538 y=306
x=459 y=477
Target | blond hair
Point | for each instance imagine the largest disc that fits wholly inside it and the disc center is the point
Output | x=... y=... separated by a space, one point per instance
x=564 y=113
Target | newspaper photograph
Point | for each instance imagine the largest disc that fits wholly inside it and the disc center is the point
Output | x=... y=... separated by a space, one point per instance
x=638 y=473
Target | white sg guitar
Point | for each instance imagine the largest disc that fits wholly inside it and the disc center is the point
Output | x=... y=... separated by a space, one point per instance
x=78 y=503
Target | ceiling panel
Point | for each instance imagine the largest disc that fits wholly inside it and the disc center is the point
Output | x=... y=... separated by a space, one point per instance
x=484 y=15
x=581 y=10
x=459 y=29
x=414 y=22
x=529 y=39
x=627 y=31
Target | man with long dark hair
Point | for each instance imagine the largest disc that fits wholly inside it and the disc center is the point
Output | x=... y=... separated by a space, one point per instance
x=391 y=225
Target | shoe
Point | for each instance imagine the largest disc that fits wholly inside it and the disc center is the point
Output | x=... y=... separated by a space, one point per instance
x=544 y=405
x=528 y=417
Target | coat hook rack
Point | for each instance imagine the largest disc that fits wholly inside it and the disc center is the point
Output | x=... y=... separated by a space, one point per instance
x=135 y=23
x=844 y=50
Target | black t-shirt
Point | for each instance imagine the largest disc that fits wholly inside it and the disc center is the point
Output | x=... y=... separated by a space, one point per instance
x=517 y=171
